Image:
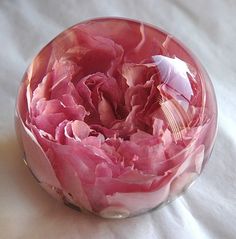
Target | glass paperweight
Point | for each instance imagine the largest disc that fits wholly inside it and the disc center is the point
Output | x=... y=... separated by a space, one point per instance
x=116 y=117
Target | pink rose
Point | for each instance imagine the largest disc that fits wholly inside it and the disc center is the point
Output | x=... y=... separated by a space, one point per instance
x=112 y=121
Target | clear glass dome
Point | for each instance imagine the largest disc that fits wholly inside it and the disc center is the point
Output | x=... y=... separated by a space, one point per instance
x=116 y=117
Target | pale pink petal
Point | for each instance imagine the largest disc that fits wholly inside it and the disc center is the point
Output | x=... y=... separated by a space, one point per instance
x=36 y=158
x=80 y=129
x=102 y=170
x=138 y=202
x=49 y=122
x=42 y=90
x=188 y=171
x=105 y=112
x=71 y=181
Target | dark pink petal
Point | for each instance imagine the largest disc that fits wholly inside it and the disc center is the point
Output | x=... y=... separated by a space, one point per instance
x=141 y=44
x=92 y=86
x=109 y=30
x=138 y=73
x=98 y=54
x=85 y=93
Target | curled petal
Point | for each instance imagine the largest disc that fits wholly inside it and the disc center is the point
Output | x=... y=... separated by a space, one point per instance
x=106 y=112
x=80 y=129
x=138 y=73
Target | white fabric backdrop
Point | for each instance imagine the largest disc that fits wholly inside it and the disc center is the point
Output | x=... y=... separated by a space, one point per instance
x=208 y=209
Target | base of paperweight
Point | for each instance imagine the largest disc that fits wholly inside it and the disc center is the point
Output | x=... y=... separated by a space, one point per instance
x=72 y=206
x=112 y=212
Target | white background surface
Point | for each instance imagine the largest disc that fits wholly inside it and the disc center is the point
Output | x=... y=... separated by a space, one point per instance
x=208 y=209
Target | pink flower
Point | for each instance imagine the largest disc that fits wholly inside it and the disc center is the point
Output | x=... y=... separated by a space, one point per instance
x=110 y=122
